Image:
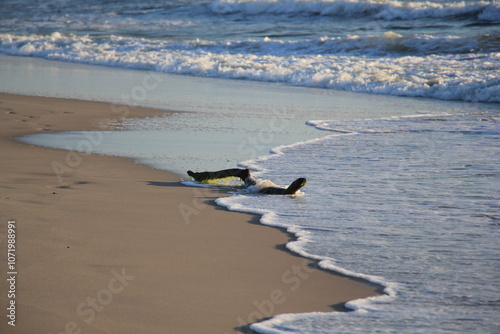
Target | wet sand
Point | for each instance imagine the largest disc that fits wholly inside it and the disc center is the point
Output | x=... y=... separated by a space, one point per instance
x=106 y=245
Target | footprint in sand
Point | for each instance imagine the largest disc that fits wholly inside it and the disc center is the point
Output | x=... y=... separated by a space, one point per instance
x=8 y=110
x=45 y=127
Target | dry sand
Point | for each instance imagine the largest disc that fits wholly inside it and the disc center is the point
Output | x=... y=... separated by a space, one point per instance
x=112 y=246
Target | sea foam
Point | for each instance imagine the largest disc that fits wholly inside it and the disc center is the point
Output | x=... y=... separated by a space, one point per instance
x=398 y=201
x=361 y=64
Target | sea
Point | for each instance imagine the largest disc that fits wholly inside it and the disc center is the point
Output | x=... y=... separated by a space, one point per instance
x=403 y=185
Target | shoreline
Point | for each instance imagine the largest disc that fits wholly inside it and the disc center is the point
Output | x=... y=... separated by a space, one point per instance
x=88 y=225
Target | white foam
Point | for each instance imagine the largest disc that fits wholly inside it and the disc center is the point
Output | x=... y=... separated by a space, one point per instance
x=393 y=188
x=443 y=122
x=407 y=202
x=192 y=183
x=322 y=64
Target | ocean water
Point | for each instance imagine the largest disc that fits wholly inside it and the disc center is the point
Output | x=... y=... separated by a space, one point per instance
x=409 y=202
x=406 y=197
x=441 y=49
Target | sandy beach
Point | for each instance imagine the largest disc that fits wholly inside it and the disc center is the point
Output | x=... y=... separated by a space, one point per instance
x=105 y=245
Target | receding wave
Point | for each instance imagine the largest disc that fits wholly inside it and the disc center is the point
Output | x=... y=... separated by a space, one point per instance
x=386 y=10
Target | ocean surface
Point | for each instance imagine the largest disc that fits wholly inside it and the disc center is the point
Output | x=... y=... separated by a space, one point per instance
x=441 y=49
x=407 y=197
x=408 y=202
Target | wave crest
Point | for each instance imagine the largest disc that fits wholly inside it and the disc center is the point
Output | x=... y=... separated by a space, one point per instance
x=363 y=67
x=378 y=9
